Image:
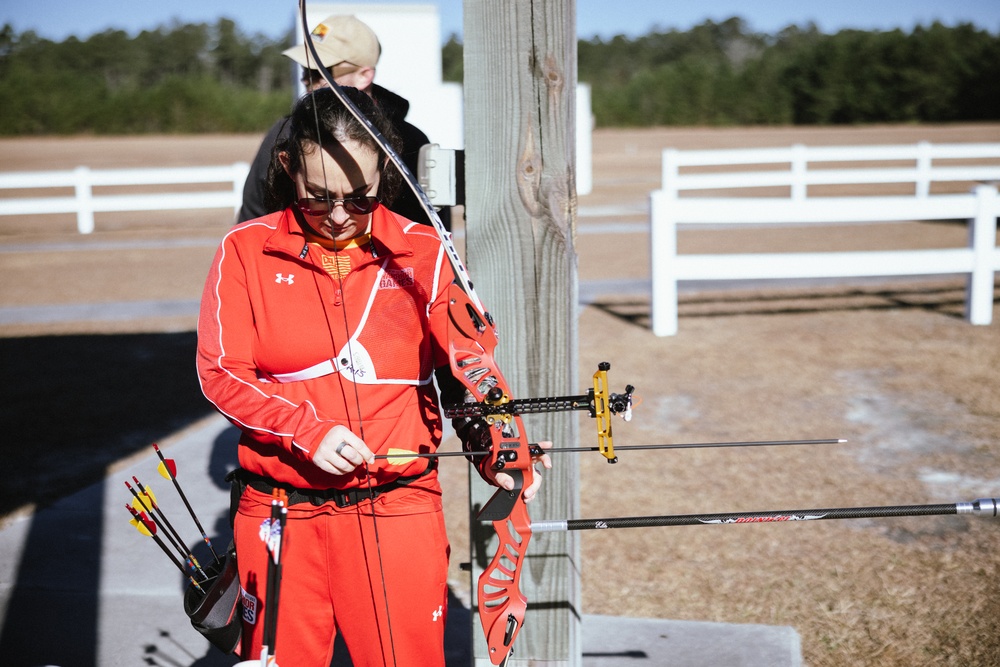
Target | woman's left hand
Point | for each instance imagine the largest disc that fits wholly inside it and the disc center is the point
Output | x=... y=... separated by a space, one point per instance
x=507 y=482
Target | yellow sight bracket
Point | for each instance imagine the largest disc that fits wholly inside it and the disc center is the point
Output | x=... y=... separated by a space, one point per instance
x=602 y=413
x=497 y=398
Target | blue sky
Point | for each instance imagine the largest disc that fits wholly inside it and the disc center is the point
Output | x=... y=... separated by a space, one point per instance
x=58 y=19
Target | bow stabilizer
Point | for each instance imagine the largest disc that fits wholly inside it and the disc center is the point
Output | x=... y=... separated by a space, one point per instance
x=983 y=507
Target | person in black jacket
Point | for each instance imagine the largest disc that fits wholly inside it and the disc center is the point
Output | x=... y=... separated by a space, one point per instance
x=350 y=50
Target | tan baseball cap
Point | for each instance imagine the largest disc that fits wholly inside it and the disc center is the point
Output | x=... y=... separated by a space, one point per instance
x=339 y=39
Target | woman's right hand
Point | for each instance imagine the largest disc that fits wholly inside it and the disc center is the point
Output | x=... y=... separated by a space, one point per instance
x=340 y=451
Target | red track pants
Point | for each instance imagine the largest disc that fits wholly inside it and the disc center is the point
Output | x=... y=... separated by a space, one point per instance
x=382 y=582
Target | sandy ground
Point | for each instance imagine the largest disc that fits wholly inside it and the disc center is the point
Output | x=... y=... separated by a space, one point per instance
x=891 y=367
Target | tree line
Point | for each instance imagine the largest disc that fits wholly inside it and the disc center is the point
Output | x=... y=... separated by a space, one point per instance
x=184 y=78
x=191 y=78
x=724 y=74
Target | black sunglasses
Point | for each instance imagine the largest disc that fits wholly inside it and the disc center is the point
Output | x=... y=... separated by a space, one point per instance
x=356 y=205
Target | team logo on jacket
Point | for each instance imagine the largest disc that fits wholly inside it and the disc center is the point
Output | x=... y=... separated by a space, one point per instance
x=397 y=278
x=338 y=266
x=281 y=278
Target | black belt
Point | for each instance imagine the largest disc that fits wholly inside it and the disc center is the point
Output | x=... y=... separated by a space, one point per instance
x=317 y=497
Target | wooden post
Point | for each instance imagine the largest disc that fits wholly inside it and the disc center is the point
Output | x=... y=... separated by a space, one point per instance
x=520 y=128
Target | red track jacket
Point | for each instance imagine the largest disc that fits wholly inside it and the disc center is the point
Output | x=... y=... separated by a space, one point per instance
x=274 y=354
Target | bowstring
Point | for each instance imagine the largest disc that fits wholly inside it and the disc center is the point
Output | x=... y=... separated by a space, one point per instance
x=309 y=53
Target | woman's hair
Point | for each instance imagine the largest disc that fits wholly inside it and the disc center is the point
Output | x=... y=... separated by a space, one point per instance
x=319 y=118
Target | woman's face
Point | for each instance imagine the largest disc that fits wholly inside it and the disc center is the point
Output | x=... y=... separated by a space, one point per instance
x=338 y=171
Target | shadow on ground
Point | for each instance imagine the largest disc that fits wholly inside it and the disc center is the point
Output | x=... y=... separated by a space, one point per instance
x=947 y=301
x=73 y=405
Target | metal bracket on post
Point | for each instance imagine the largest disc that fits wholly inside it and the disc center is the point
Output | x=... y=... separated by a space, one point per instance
x=441 y=172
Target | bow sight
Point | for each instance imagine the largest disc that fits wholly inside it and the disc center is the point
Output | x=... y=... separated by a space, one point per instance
x=598 y=402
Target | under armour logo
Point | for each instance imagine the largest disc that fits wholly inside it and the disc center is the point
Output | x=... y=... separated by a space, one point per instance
x=438 y=613
x=278 y=278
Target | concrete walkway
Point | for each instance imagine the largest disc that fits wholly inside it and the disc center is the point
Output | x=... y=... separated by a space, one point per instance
x=79 y=587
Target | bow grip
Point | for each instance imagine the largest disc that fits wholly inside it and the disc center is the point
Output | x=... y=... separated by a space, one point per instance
x=472 y=340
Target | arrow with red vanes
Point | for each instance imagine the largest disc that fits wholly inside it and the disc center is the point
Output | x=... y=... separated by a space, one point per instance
x=168 y=469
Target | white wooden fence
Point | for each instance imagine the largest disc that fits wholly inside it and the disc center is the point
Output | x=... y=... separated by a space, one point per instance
x=85 y=202
x=981 y=207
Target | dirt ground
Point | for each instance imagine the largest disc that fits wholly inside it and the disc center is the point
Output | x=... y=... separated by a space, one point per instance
x=890 y=366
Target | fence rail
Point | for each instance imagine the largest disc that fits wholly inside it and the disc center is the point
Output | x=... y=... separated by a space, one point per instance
x=980 y=260
x=84 y=202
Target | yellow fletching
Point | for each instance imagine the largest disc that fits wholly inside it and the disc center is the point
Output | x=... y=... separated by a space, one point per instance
x=399 y=457
x=144 y=505
x=141 y=527
x=167 y=469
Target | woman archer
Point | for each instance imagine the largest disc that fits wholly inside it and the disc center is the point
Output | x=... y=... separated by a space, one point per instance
x=321 y=329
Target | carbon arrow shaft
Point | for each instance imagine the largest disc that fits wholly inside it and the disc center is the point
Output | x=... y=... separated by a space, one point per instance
x=987 y=507
x=536 y=450
x=696 y=445
x=180 y=492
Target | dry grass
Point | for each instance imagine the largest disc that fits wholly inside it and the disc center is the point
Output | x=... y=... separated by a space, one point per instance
x=913 y=390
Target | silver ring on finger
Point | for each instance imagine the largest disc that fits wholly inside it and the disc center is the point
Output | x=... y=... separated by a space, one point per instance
x=340 y=447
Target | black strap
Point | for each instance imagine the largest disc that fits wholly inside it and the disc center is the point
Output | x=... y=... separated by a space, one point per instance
x=317 y=497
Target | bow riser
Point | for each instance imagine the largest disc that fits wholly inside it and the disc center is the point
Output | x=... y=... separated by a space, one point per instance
x=501 y=604
x=472 y=341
